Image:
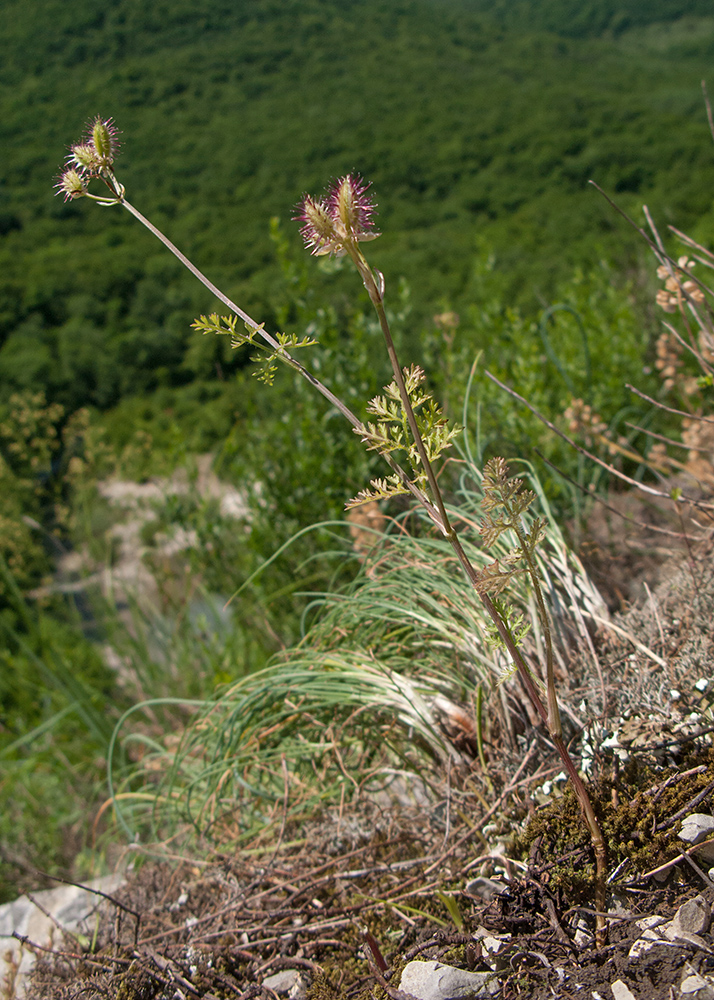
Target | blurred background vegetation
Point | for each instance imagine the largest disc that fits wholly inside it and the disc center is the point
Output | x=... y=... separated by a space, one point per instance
x=479 y=125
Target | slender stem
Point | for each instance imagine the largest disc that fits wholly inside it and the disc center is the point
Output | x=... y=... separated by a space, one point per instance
x=378 y=303
x=554 y=725
x=248 y=320
x=433 y=511
x=436 y=509
x=550 y=716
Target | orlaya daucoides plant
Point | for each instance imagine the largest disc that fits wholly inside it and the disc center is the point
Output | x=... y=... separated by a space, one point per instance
x=405 y=421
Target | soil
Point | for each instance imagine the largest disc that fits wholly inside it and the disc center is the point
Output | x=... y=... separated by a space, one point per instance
x=500 y=883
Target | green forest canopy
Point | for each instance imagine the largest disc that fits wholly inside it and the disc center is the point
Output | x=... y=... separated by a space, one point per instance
x=473 y=121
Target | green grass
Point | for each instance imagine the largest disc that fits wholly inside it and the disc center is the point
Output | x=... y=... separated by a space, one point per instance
x=361 y=702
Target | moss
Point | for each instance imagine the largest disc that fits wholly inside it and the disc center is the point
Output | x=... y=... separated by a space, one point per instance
x=322 y=988
x=633 y=806
x=136 y=984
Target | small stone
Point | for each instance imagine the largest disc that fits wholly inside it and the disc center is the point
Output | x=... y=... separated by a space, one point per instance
x=696 y=987
x=691 y=918
x=702 y=685
x=492 y=946
x=697 y=827
x=484 y=888
x=434 y=981
x=652 y=935
x=647 y=923
x=286 y=982
x=694 y=939
x=583 y=936
x=621 y=991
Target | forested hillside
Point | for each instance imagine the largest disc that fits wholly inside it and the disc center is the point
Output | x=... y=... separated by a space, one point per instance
x=473 y=127
x=479 y=124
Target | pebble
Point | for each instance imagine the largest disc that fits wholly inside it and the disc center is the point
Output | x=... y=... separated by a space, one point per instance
x=688 y=924
x=692 y=917
x=696 y=987
x=484 y=888
x=68 y=907
x=696 y=827
x=287 y=982
x=620 y=991
x=434 y=981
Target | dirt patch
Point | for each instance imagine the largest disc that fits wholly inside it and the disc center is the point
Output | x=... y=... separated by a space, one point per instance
x=352 y=898
x=347 y=900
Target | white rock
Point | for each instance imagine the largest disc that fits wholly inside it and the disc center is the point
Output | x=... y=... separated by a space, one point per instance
x=621 y=991
x=647 y=923
x=692 y=917
x=288 y=981
x=583 y=936
x=492 y=947
x=652 y=928
x=696 y=987
x=434 y=981
x=68 y=906
x=697 y=827
x=484 y=888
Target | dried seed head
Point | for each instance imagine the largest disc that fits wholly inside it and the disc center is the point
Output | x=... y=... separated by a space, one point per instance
x=583 y=421
x=694 y=291
x=103 y=135
x=352 y=206
x=341 y=220
x=667 y=301
x=71 y=184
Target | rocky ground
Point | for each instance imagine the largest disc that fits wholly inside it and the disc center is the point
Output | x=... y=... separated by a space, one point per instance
x=495 y=891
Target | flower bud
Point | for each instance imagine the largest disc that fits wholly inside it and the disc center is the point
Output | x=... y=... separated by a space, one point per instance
x=71 y=184
x=341 y=221
x=85 y=158
x=103 y=138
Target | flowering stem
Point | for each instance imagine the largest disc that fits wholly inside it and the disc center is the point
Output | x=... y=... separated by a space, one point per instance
x=433 y=512
x=338 y=226
x=378 y=303
x=551 y=715
x=554 y=726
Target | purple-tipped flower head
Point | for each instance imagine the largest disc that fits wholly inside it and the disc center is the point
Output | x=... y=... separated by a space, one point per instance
x=71 y=184
x=349 y=202
x=341 y=220
x=318 y=229
x=98 y=150
x=104 y=136
x=91 y=158
x=84 y=158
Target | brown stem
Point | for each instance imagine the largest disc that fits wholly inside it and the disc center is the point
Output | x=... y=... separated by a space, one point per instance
x=554 y=725
x=418 y=495
x=550 y=716
x=378 y=303
x=437 y=512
